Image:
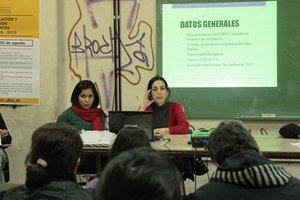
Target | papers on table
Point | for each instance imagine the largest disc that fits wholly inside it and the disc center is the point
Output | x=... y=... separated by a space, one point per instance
x=97 y=138
x=296 y=144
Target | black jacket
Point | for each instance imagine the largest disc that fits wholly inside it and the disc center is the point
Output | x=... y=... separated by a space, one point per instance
x=58 y=190
x=4 y=141
x=59 y=185
x=7 y=139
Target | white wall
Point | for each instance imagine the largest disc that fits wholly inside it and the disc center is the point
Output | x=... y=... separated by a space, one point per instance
x=61 y=69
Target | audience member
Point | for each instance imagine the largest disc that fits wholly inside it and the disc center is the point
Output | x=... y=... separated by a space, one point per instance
x=127 y=138
x=139 y=174
x=4 y=161
x=242 y=171
x=51 y=163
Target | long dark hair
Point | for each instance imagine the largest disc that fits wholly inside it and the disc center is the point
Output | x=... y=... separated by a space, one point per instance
x=59 y=145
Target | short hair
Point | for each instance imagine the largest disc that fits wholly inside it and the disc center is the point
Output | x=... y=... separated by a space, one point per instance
x=129 y=138
x=83 y=85
x=59 y=144
x=140 y=173
x=158 y=78
x=229 y=138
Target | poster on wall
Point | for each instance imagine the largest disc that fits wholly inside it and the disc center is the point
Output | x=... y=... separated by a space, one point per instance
x=19 y=52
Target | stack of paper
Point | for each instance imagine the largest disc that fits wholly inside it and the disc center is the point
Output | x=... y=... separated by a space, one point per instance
x=296 y=144
x=97 y=138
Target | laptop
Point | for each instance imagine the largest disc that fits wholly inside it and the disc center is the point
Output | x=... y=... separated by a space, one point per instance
x=141 y=119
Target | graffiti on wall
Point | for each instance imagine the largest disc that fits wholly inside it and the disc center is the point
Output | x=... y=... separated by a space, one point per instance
x=91 y=45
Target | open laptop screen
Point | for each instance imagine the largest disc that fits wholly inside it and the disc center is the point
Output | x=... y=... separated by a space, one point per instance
x=140 y=119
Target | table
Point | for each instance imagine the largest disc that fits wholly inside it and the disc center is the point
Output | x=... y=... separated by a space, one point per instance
x=274 y=146
x=271 y=146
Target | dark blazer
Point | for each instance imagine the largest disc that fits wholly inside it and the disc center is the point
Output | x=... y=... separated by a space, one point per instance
x=6 y=140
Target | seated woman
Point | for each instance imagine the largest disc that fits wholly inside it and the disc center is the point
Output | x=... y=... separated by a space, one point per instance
x=84 y=115
x=51 y=165
x=169 y=118
x=5 y=140
x=127 y=138
x=139 y=173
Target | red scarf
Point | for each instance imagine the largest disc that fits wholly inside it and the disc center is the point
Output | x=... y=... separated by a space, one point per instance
x=92 y=115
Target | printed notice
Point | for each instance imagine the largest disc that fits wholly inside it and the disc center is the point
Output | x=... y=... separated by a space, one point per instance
x=19 y=52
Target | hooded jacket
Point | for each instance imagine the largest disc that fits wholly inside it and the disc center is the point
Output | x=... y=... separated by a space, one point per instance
x=249 y=175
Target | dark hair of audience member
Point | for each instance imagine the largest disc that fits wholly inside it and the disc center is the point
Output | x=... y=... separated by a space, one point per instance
x=59 y=144
x=230 y=137
x=139 y=174
x=83 y=85
x=129 y=138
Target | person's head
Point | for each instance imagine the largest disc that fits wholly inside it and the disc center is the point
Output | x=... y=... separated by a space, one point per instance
x=129 y=138
x=159 y=89
x=85 y=95
x=229 y=138
x=140 y=173
x=55 y=147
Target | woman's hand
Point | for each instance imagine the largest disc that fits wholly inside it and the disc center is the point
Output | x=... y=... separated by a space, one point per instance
x=161 y=131
x=156 y=131
x=146 y=102
x=3 y=133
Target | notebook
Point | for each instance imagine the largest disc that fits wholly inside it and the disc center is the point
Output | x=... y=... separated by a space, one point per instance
x=141 y=119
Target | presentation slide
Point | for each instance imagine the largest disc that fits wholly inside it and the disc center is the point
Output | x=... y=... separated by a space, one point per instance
x=220 y=45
